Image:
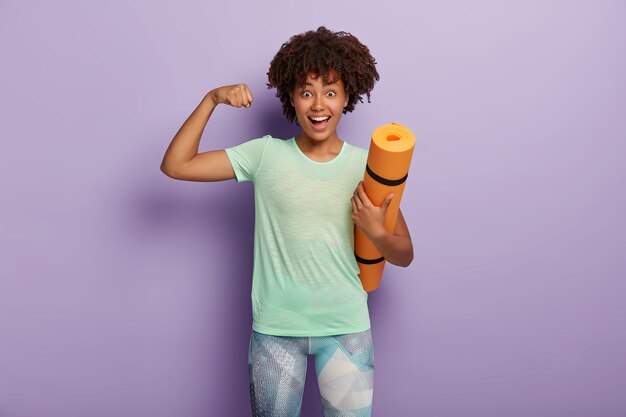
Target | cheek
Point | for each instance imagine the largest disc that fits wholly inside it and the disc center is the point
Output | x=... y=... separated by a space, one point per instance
x=298 y=109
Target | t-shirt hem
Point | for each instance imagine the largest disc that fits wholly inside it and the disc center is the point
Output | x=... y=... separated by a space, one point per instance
x=308 y=333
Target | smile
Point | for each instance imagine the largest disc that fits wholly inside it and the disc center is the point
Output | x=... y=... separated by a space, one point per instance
x=320 y=122
x=319 y=119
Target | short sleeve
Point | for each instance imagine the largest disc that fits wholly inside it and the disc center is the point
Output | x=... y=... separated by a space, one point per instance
x=246 y=158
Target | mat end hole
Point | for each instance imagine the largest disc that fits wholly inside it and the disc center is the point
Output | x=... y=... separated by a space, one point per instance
x=391 y=138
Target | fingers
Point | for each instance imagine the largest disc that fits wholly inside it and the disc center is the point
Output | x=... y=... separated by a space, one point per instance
x=249 y=93
x=240 y=96
x=237 y=95
x=244 y=96
x=361 y=195
x=387 y=201
x=356 y=201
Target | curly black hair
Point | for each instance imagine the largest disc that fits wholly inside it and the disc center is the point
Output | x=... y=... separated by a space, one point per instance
x=322 y=52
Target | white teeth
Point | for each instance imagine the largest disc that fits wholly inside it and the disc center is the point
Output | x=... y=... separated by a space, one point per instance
x=319 y=119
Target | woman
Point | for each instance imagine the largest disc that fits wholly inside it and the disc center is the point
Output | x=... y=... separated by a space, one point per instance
x=306 y=294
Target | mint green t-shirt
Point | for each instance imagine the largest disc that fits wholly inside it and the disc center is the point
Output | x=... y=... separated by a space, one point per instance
x=305 y=279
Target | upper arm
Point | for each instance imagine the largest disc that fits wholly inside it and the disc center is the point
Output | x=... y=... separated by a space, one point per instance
x=205 y=166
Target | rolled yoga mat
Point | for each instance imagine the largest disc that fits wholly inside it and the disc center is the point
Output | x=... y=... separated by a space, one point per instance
x=386 y=172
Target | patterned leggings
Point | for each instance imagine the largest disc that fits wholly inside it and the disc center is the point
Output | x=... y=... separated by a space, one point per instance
x=344 y=365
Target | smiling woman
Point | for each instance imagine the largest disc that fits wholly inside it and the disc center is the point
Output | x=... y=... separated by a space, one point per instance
x=307 y=298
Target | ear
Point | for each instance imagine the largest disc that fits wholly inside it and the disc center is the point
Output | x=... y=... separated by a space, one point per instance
x=345 y=103
x=291 y=100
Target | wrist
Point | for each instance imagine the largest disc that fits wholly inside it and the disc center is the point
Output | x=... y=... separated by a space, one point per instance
x=378 y=234
x=211 y=96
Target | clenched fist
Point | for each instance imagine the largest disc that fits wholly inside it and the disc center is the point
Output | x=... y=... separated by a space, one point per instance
x=236 y=95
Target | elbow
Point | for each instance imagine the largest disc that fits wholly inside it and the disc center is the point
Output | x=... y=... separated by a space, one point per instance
x=410 y=258
x=401 y=254
x=167 y=170
x=405 y=260
x=402 y=261
x=409 y=261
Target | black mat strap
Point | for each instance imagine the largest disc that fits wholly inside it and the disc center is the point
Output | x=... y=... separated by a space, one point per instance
x=384 y=181
x=368 y=261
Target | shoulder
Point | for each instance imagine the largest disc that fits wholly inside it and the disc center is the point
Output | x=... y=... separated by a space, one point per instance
x=272 y=148
x=357 y=152
x=355 y=148
x=260 y=143
x=274 y=141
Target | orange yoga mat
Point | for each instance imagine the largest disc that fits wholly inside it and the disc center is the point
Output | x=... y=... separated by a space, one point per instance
x=386 y=172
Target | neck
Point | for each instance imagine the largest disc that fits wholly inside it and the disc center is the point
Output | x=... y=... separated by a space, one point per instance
x=332 y=145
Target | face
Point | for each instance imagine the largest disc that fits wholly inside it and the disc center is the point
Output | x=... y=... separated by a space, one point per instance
x=319 y=107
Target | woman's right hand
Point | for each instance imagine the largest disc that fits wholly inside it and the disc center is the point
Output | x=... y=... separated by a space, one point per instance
x=236 y=95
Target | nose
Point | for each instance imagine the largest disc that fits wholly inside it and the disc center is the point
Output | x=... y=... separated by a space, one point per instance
x=318 y=104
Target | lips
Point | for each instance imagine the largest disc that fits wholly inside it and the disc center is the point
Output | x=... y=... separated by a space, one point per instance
x=319 y=122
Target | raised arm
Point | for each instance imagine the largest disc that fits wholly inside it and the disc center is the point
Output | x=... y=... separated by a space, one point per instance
x=182 y=160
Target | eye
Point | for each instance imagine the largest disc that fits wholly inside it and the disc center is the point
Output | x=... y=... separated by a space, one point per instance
x=331 y=94
x=306 y=94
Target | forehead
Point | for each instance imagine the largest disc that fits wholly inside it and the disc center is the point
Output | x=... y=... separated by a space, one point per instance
x=331 y=78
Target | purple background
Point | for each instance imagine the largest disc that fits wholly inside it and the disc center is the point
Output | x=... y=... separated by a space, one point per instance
x=125 y=293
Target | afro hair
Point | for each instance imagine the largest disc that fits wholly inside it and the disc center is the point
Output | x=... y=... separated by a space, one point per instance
x=322 y=53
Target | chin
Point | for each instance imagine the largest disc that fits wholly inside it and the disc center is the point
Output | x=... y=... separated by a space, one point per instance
x=317 y=137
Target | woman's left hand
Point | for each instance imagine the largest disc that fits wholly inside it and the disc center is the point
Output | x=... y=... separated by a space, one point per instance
x=368 y=217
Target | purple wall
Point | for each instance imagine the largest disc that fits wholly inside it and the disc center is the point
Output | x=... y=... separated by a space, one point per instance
x=124 y=293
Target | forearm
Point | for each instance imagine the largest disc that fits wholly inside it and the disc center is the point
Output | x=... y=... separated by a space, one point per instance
x=396 y=249
x=185 y=144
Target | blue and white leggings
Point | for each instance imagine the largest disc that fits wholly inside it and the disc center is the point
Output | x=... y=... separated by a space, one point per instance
x=344 y=365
